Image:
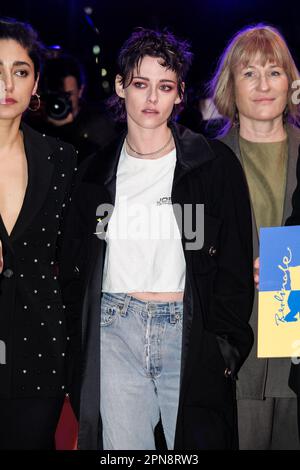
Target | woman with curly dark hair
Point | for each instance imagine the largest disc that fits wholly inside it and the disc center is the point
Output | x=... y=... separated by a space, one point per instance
x=35 y=180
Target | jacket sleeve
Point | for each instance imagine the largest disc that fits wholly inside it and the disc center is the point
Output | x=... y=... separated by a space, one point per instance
x=233 y=288
x=294 y=218
x=71 y=282
x=63 y=255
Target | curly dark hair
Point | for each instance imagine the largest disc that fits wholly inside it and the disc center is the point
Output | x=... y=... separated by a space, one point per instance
x=175 y=53
x=24 y=34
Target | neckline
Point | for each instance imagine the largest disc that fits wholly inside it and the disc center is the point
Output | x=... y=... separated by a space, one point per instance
x=9 y=236
x=264 y=143
x=164 y=158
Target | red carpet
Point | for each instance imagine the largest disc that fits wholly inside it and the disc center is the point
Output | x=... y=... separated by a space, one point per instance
x=67 y=429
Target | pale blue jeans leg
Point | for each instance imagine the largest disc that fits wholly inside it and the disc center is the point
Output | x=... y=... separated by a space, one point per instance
x=140 y=369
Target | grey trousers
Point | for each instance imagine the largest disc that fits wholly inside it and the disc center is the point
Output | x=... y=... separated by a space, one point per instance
x=269 y=424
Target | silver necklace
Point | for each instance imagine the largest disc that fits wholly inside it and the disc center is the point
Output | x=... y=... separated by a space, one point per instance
x=151 y=153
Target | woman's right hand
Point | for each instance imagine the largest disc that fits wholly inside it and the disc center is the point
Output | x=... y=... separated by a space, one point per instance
x=1 y=258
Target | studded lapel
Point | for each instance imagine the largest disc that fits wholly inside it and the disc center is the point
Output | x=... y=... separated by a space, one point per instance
x=40 y=169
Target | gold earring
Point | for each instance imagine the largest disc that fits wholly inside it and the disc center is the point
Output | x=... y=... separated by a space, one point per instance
x=38 y=102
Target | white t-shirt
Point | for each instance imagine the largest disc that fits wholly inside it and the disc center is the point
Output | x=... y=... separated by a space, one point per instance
x=144 y=250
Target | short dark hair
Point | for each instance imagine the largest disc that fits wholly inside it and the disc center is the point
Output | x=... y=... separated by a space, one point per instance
x=175 y=53
x=24 y=34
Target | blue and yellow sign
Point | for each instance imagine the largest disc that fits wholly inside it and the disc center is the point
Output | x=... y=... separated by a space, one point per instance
x=279 y=292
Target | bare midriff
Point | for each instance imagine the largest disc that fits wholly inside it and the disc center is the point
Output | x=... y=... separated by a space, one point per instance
x=158 y=296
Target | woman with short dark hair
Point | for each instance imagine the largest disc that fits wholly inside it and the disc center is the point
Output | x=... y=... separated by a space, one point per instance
x=170 y=289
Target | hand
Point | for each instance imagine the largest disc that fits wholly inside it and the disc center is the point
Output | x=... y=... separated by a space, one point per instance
x=256 y=272
x=1 y=258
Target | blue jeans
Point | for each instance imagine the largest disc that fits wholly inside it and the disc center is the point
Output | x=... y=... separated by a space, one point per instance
x=140 y=370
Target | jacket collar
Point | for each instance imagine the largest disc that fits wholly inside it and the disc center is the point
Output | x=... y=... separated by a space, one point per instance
x=192 y=151
x=38 y=152
x=293 y=133
x=232 y=139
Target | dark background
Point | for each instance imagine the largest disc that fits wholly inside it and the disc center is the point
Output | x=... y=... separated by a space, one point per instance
x=207 y=24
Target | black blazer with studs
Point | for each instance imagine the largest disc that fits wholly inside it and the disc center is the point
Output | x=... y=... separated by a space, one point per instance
x=33 y=327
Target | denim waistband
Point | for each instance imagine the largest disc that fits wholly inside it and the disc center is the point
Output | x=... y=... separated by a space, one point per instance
x=127 y=301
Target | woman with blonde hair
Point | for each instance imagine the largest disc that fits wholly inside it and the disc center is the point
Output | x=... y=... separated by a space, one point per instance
x=253 y=89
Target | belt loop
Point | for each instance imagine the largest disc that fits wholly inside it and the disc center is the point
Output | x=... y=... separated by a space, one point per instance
x=124 y=309
x=172 y=312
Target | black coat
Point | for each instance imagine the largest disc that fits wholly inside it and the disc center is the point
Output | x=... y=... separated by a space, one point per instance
x=218 y=293
x=294 y=219
x=33 y=330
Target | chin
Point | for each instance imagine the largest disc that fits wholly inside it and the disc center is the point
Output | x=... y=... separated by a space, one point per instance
x=150 y=125
x=7 y=115
x=10 y=112
x=271 y=118
x=263 y=116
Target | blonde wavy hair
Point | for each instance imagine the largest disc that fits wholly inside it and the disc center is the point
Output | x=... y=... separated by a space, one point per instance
x=259 y=39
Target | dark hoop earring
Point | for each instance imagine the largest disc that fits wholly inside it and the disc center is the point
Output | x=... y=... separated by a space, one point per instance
x=38 y=102
x=236 y=120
